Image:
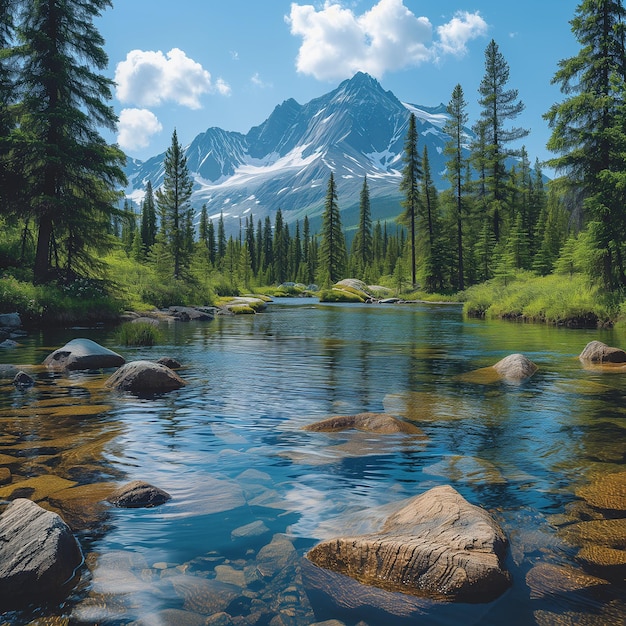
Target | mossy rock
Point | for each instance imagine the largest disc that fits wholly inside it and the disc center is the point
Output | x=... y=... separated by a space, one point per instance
x=242 y=309
x=340 y=295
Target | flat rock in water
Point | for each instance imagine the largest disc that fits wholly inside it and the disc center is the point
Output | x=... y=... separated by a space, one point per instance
x=438 y=545
x=598 y=352
x=145 y=376
x=515 y=367
x=38 y=553
x=368 y=422
x=83 y=354
x=138 y=494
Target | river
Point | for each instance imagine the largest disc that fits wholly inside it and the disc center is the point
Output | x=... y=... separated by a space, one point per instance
x=252 y=492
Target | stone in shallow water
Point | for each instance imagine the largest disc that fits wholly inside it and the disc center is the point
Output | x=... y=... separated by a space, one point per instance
x=515 y=367
x=83 y=354
x=368 y=422
x=606 y=493
x=38 y=553
x=547 y=580
x=438 y=544
x=138 y=494
x=201 y=595
x=598 y=352
x=145 y=377
x=172 y=617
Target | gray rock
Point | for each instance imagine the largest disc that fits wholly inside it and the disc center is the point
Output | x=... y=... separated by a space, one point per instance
x=192 y=314
x=138 y=494
x=8 y=371
x=438 y=545
x=9 y=343
x=83 y=354
x=168 y=361
x=10 y=320
x=598 y=352
x=38 y=553
x=22 y=380
x=145 y=376
x=515 y=367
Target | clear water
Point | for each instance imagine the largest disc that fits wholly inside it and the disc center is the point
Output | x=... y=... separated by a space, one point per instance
x=251 y=491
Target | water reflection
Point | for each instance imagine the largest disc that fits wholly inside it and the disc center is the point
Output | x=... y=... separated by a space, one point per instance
x=252 y=491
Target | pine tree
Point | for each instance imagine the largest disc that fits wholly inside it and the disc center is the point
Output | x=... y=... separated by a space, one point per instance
x=280 y=249
x=73 y=174
x=148 y=218
x=203 y=226
x=499 y=104
x=409 y=186
x=332 y=252
x=454 y=128
x=361 y=250
x=173 y=202
x=221 y=240
x=588 y=128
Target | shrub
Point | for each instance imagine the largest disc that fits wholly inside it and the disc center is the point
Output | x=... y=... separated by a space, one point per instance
x=138 y=334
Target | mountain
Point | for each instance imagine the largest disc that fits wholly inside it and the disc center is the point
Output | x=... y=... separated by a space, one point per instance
x=356 y=130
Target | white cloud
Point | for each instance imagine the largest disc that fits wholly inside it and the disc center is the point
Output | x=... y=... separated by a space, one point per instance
x=136 y=127
x=461 y=29
x=257 y=81
x=149 y=78
x=336 y=42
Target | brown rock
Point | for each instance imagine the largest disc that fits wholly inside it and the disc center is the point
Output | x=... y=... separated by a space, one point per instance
x=598 y=352
x=145 y=376
x=437 y=545
x=138 y=493
x=515 y=367
x=368 y=422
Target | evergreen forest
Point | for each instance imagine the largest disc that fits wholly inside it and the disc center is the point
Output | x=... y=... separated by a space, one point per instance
x=501 y=236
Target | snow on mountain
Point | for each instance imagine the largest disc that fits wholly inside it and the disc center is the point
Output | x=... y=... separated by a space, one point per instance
x=356 y=130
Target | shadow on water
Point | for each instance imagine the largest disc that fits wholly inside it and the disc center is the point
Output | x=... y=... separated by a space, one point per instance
x=252 y=492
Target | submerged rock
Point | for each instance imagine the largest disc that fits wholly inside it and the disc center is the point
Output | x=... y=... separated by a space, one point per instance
x=23 y=380
x=606 y=493
x=598 y=352
x=38 y=553
x=138 y=494
x=368 y=422
x=170 y=362
x=83 y=354
x=438 y=545
x=145 y=376
x=515 y=367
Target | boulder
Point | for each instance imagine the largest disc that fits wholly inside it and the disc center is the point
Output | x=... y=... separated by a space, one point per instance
x=23 y=380
x=138 y=494
x=598 y=352
x=10 y=320
x=515 y=367
x=368 y=422
x=168 y=361
x=192 y=314
x=38 y=553
x=145 y=376
x=83 y=354
x=437 y=545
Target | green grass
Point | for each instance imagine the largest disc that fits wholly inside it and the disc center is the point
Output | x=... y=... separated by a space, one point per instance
x=138 y=334
x=554 y=299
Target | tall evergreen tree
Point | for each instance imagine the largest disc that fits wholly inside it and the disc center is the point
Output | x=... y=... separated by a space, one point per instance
x=173 y=202
x=455 y=165
x=409 y=186
x=280 y=249
x=332 y=252
x=499 y=105
x=72 y=172
x=221 y=239
x=361 y=250
x=589 y=128
x=148 y=218
x=203 y=226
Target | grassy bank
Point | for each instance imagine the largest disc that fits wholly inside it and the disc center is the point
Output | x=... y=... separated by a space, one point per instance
x=556 y=299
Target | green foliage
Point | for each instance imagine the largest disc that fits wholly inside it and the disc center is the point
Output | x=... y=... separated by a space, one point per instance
x=138 y=334
x=548 y=299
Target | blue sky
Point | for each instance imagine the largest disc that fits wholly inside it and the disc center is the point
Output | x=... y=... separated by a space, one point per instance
x=194 y=64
